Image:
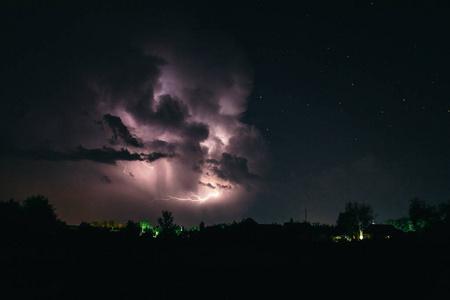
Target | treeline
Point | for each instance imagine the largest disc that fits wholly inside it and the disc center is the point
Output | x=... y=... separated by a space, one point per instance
x=166 y=228
x=44 y=257
x=424 y=219
x=35 y=220
x=32 y=220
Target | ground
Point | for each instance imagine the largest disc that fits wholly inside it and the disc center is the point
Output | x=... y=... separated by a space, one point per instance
x=225 y=269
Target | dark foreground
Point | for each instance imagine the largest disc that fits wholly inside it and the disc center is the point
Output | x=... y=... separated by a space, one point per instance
x=215 y=268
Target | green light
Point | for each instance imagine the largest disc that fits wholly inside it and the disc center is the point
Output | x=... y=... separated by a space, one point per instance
x=146 y=227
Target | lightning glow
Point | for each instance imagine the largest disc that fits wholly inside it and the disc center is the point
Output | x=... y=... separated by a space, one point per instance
x=192 y=197
x=125 y=170
x=146 y=165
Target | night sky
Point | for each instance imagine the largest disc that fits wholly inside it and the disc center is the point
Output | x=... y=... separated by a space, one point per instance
x=223 y=110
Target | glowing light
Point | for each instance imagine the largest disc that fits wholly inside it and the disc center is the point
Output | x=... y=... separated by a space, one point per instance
x=149 y=167
x=192 y=197
x=125 y=170
x=132 y=173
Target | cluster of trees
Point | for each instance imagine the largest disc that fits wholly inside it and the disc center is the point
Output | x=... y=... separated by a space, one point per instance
x=166 y=227
x=34 y=218
x=423 y=217
x=355 y=218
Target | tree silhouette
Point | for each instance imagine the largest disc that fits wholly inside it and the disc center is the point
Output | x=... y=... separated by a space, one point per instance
x=403 y=223
x=132 y=229
x=112 y=224
x=201 y=227
x=167 y=225
x=444 y=212
x=249 y=222
x=355 y=217
x=11 y=219
x=40 y=215
x=422 y=214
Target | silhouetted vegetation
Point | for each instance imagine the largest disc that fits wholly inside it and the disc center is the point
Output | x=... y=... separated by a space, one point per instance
x=168 y=228
x=355 y=218
x=424 y=220
x=108 y=258
x=33 y=220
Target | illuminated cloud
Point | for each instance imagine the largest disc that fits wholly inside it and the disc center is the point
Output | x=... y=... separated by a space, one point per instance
x=121 y=132
x=186 y=110
x=156 y=118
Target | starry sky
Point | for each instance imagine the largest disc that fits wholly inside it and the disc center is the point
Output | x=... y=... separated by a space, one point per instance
x=219 y=111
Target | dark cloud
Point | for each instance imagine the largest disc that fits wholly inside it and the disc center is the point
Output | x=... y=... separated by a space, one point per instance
x=202 y=101
x=104 y=155
x=206 y=184
x=233 y=168
x=128 y=79
x=196 y=132
x=213 y=161
x=156 y=155
x=170 y=112
x=162 y=146
x=223 y=186
x=121 y=131
x=105 y=179
x=198 y=167
x=248 y=142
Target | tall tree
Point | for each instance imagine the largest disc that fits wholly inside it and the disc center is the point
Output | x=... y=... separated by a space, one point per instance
x=131 y=230
x=167 y=224
x=422 y=214
x=355 y=217
x=40 y=214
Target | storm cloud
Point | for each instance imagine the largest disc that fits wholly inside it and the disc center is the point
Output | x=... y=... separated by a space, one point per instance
x=160 y=105
x=120 y=131
x=233 y=169
x=104 y=155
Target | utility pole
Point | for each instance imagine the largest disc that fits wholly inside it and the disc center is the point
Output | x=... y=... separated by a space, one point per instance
x=306 y=216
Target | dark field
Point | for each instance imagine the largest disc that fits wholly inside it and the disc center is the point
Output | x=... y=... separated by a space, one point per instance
x=212 y=268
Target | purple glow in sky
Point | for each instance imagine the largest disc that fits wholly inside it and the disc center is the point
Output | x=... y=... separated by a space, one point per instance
x=120 y=110
x=157 y=121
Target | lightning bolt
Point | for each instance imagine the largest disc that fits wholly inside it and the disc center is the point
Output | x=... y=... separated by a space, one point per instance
x=145 y=164
x=125 y=170
x=192 y=197
x=132 y=172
